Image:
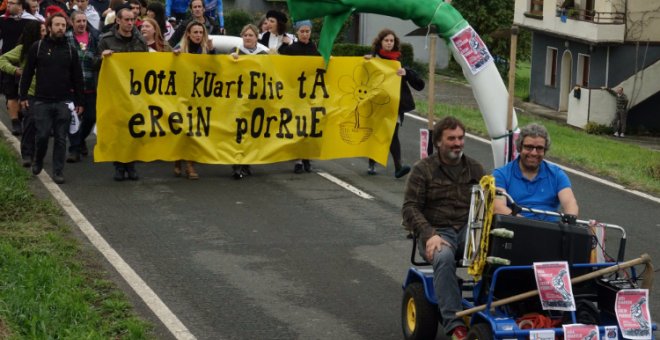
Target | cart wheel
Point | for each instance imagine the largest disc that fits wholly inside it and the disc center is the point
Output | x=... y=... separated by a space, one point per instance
x=419 y=318
x=480 y=331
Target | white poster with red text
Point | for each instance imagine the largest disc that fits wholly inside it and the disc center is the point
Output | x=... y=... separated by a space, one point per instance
x=581 y=332
x=553 y=281
x=424 y=140
x=473 y=50
x=632 y=313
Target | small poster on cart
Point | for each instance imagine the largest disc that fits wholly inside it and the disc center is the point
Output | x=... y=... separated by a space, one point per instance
x=632 y=313
x=553 y=281
x=424 y=140
x=581 y=332
x=611 y=333
x=546 y=334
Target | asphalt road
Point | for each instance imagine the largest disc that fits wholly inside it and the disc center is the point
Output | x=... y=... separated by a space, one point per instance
x=286 y=256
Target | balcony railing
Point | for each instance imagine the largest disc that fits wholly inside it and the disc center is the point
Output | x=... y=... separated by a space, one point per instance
x=614 y=18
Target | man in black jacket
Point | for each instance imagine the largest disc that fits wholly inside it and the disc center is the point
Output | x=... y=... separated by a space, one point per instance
x=59 y=82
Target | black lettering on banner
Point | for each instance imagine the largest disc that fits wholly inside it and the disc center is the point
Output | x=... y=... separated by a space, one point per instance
x=301 y=126
x=190 y=122
x=241 y=129
x=208 y=83
x=301 y=88
x=257 y=114
x=175 y=118
x=154 y=121
x=153 y=82
x=136 y=86
x=315 y=120
x=319 y=80
x=135 y=121
x=196 y=81
x=253 y=84
x=285 y=118
x=239 y=93
x=268 y=121
x=202 y=123
x=279 y=86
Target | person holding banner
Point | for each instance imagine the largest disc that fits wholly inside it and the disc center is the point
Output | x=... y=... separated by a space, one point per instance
x=303 y=46
x=387 y=46
x=436 y=205
x=195 y=41
x=120 y=39
x=250 y=46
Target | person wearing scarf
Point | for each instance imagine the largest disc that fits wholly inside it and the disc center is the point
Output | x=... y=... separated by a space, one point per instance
x=387 y=46
x=250 y=46
x=276 y=35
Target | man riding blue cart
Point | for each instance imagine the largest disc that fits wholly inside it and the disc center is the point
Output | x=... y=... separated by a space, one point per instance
x=452 y=220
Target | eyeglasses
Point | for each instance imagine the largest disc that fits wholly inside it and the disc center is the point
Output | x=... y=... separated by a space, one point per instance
x=530 y=148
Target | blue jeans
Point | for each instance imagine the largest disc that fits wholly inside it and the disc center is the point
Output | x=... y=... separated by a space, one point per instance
x=445 y=282
x=56 y=117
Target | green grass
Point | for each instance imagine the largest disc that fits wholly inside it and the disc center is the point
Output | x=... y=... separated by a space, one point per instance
x=49 y=287
x=523 y=70
x=627 y=164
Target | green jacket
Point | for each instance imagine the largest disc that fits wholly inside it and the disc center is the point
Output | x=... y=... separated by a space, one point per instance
x=10 y=62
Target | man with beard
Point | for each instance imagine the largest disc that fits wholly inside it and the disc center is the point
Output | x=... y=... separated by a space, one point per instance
x=531 y=181
x=58 y=83
x=435 y=207
x=122 y=38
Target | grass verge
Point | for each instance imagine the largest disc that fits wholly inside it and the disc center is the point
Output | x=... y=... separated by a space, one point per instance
x=630 y=165
x=50 y=289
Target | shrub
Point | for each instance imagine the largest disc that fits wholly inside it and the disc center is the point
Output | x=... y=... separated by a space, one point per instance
x=597 y=129
x=235 y=19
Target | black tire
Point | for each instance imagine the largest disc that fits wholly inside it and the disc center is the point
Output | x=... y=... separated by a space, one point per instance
x=419 y=318
x=480 y=331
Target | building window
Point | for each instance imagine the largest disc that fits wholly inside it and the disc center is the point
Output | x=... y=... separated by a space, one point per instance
x=583 y=70
x=551 y=67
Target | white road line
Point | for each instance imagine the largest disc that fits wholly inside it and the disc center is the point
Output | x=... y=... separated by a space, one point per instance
x=567 y=169
x=173 y=324
x=344 y=185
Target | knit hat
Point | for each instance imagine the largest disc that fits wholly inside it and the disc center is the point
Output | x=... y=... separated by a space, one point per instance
x=302 y=23
x=281 y=17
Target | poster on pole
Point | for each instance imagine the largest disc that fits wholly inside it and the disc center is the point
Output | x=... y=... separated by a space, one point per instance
x=424 y=140
x=632 y=313
x=473 y=50
x=553 y=281
x=611 y=333
x=581 y=332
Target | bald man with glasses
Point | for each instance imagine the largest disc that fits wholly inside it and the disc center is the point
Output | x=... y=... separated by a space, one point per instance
x=531 y=181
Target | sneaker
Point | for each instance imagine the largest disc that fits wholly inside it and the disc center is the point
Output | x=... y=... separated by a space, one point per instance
x=36 y=168
x=298 y=168
x=16 y=128
x=132 y=174
x=404 y=170
x=27 y=162
x=459 y=333
x=119 y=174
x=58 y=177
x=307 y=165
x=371 y=170
x=621 y=135
x=74 y=157
x=616 y=134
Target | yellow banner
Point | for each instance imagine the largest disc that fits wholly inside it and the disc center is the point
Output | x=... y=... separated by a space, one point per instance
x=257 y=109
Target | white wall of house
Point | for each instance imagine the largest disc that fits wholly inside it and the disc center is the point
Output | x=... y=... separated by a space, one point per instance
x=643 y=21
x=371 y=24
x=594 y=105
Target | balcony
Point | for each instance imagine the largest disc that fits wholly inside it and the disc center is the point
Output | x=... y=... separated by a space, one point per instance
x=591 y=26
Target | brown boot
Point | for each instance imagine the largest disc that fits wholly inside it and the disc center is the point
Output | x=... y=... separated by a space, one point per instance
x=190 y=170
x=177 y=168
